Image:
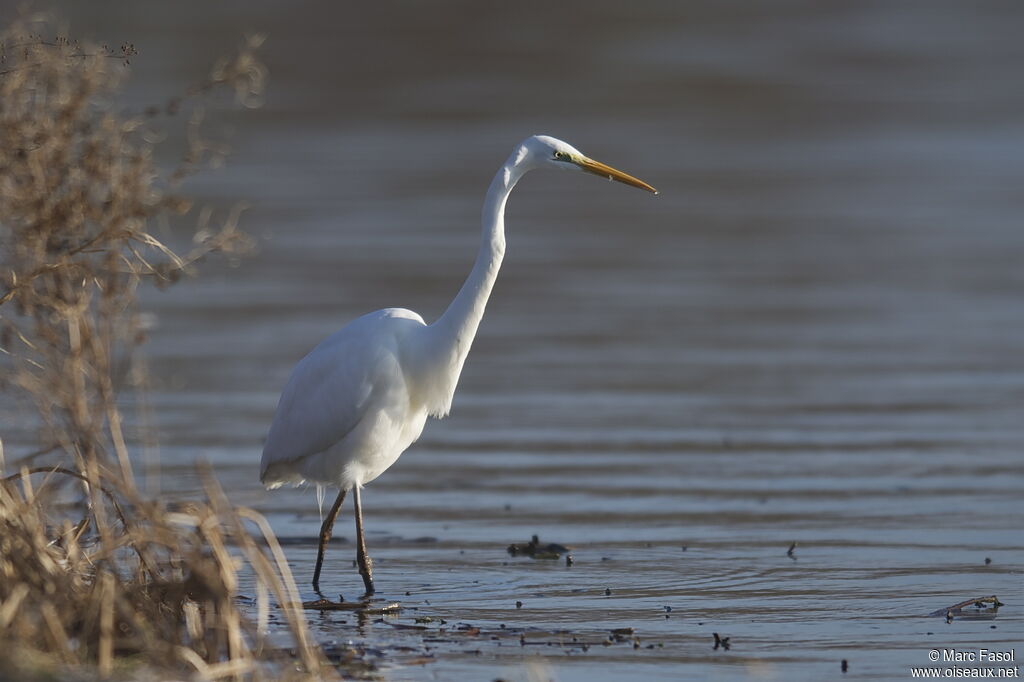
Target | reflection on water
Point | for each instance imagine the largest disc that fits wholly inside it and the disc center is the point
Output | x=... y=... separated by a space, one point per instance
x=813 y=334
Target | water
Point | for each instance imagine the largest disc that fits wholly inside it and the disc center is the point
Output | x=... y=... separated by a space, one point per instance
x=812 y=335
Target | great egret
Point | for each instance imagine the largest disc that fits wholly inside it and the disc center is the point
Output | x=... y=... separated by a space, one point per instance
x=360 y=398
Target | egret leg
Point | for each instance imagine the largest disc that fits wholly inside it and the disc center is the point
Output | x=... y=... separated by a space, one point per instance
x=365 y=562
x=325 y=536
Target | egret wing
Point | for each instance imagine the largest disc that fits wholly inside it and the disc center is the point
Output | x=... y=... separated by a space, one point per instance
x=329 y=393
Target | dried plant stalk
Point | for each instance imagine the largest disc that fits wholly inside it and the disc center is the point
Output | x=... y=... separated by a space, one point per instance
x=90 y=571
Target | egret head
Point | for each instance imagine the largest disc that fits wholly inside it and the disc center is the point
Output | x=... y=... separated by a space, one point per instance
x=544 y=150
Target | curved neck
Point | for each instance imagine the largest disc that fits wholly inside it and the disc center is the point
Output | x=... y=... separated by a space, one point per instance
x=464 y=313
x=450 y=337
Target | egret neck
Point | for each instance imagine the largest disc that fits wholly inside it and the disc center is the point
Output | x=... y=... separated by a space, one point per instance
x=450 y=337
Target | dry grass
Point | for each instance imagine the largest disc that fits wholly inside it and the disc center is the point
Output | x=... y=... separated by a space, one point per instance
x=93 y=576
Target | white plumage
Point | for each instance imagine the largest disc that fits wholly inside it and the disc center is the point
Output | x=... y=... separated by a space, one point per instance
x=360 y=398
x=349 y=409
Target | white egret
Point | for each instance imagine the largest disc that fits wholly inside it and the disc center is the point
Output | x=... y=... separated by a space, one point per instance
x=360 y=398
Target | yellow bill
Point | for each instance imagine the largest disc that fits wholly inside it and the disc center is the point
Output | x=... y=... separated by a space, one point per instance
x=598 y=168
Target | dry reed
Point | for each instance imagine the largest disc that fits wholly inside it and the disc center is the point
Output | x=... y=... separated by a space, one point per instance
x=92 y=573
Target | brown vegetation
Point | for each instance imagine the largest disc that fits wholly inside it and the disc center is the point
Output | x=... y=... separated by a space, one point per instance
x=91 y=572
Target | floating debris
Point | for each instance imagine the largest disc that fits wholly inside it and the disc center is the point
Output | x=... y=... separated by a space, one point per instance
x=623 y=634
x=791 y=552
x=722 y=642
x=845 y=666
x=386 y=609
x=362 y=607
x=988 y=560
x=325 y=604
x=981 y=608
x=534 y=549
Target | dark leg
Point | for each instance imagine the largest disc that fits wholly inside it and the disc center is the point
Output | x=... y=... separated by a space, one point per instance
x=325 y=536
x=365 y=562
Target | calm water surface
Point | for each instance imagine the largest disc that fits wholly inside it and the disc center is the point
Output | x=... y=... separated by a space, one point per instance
x=812 y=335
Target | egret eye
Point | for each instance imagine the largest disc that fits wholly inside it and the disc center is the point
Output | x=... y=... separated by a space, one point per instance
x=559 y=155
